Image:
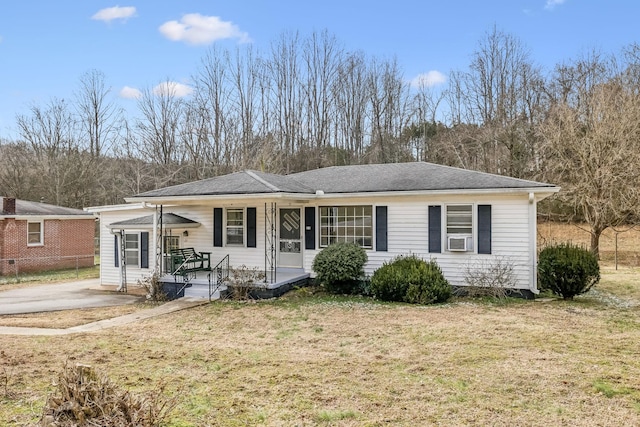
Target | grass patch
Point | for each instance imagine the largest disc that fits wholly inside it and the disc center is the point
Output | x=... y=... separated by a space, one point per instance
x=49 y=276
x=333 y=416
x=610 y=390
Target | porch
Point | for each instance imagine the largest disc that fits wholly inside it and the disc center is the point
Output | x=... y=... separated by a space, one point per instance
x=203 y=284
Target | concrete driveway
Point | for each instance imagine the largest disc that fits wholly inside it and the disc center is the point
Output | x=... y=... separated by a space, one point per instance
x=61 y=296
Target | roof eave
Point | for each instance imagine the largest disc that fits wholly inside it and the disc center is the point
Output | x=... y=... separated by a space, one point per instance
x=38 y=217
x=206 y=197
x=541 y=193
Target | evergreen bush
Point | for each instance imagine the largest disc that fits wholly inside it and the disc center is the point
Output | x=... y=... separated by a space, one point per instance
x=567 y=270
x=410 y=279
x=340 y=267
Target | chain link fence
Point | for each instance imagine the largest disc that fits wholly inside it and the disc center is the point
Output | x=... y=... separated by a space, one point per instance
x=20 y=267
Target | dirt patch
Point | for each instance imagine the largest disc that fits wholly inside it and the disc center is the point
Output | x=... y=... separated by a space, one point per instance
x=68 y=318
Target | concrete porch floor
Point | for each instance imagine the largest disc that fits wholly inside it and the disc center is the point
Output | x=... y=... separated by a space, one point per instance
x=285 y=280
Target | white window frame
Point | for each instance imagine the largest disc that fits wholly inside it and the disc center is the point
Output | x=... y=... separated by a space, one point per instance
x=468 y=235
x=240 y=227
x=40 y=233
x=339 y=223
x=128 y=250
x=166 y=250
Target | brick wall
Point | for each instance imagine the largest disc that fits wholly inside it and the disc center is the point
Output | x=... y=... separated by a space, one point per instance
x=67 y=243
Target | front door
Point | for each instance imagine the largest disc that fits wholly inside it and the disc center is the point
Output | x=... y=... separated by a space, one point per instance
x=290 y=247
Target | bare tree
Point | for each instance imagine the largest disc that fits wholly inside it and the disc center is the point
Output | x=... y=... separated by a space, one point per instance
x=591 y=136
x=388 y=99
x=98 y=118
x=350 y=94
x=63 y=167
x=322 y=55
x=159 y=127
x=501 y=93
x=286 y=100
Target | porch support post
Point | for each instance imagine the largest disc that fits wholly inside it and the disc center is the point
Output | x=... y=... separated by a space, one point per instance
x=154 y=239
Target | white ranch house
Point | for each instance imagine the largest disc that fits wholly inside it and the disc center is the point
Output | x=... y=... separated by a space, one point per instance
x=278 y=224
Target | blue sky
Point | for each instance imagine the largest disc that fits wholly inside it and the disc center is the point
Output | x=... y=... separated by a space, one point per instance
x=46 y=46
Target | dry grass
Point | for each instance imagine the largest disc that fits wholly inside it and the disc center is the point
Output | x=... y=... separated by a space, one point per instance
x=68 y=318
x=308 y=360
x=628 y=240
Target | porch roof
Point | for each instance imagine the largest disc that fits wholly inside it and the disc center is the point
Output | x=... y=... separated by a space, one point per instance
x=169 y=220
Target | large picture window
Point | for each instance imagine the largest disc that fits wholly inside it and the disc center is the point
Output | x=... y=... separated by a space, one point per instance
x=352 y=224
x=235 y=226
x=34 y=233
x=132 y=249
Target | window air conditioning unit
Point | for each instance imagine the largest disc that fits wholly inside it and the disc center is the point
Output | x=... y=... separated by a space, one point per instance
x=457 y=244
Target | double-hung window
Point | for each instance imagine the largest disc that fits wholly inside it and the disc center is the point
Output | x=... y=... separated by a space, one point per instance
x=459 y=227
x=132 y=249
x=35 y=233
x=351 y=224
x=235 y=227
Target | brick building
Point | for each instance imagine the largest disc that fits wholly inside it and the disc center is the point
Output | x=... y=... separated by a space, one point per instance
x=37 y=236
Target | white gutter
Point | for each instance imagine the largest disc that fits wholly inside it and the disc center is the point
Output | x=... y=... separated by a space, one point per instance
x=114 y=208
x=541 y=192
x=40 y=217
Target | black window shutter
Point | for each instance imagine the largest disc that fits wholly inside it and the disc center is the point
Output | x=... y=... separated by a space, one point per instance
x=309 y=227
x=381 y=228
x=116 y=251
x=251 y=227
x=217 y=227
x=144 y=249
x=484 y=229
x=435 y=229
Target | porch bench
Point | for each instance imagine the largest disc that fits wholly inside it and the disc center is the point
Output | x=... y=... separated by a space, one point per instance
x=187 y=260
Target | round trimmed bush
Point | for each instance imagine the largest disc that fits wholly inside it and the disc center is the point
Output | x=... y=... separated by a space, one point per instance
x=410 y=279
x=340 y=267
x=567 y=270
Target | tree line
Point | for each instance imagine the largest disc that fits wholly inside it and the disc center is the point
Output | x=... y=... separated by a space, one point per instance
x=308 y=102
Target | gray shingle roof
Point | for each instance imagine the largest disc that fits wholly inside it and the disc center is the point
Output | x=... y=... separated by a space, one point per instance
x=417 y=176
x=25 y=207
x=389 y=177
x=247 y=182
x=168 y=220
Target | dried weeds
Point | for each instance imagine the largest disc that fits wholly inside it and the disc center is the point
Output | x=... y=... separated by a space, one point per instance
x=85 y=397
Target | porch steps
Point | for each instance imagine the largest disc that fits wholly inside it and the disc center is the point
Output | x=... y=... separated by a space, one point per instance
x=202 y=291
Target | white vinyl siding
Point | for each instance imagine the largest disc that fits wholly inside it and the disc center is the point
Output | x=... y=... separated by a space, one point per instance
x=199 y=238
x=512 y=238
x=407 y=231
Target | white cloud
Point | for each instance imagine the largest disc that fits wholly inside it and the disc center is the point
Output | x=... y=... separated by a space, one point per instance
x=553 y=3
x=116 y=12
x=129 y=93
x=176 y=89
x=429 y=79
x=194 y=28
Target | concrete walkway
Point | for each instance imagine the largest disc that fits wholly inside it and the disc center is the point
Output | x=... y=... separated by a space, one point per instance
x=169 y=307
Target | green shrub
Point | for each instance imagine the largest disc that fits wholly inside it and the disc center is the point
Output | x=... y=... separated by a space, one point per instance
x=410 y=279
x=567 y=270
x=340 y=267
